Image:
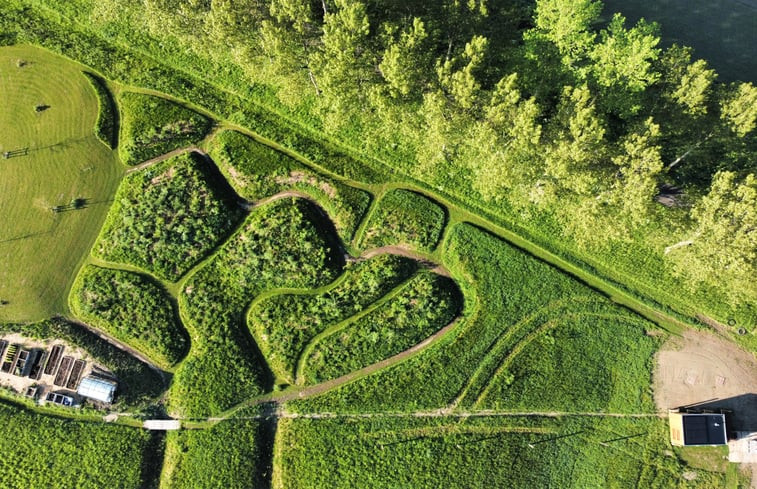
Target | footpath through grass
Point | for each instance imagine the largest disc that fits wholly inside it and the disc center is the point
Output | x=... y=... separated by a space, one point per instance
x=47 y=121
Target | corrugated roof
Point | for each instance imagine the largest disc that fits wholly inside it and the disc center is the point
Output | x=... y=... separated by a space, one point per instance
x=99 y=389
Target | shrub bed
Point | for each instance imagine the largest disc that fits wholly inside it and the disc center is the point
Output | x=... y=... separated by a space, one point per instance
x=282 y=244
x=258 y=171
x=284 y=324
x=106 y=127
x=424 y=305
x=405 y=218
x=133 y=309
x=152 y=126
x=168 y=217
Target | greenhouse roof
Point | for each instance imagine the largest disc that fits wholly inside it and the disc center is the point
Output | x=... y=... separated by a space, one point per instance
x=99 y=389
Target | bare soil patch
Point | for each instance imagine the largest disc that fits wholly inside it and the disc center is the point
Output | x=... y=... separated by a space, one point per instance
x=704 y=369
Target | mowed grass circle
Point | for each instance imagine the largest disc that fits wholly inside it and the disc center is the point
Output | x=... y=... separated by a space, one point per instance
x=41 y=251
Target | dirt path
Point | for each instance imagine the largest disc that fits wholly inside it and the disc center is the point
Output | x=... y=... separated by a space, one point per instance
x=408 y=253
x=702 y=368
x=131 y=351
x=163 y=157
x=439 y=413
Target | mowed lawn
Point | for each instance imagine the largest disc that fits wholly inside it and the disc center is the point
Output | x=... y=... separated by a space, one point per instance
x=723 y=32
x=40 y=251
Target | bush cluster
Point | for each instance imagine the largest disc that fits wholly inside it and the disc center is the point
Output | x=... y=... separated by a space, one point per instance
x=168 y=217
x=284 y=324
x=152 y=126
x=258 y=171
x=106 y=127
x=405 y=218
x=132 y=308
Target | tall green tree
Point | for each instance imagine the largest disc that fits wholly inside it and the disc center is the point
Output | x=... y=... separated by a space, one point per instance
x=723 y=243
x=503 y=148
x=623 y=65
x=407 y=62
x=576 y=161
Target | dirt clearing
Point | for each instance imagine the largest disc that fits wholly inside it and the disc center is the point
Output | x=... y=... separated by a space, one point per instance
x=702 y=368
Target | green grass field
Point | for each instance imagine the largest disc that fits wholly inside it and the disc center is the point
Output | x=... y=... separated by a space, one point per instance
x=41 y=250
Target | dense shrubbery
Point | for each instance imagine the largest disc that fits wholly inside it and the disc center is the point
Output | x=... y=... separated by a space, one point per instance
x=137 y=383
x=234 y=454
x=419 y=308
x=484 y=452
x=405 y=218
x=106 y=127
x=167 y=217
x=503 y=286
x=133 y=309
x=284 y=324
x=258 y=171
x=44 y=451
x=282 y=244
x=152 y=126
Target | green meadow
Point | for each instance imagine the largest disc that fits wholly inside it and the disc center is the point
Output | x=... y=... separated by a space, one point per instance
x=48 y=115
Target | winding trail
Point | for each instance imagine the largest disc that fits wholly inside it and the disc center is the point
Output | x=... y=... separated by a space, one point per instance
x=164 y=157
x=122 y=346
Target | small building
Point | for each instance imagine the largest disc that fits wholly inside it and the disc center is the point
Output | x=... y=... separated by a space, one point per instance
x=98 y=389
x=697 y=429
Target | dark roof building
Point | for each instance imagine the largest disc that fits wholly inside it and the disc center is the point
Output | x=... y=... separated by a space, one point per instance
x=688 y=429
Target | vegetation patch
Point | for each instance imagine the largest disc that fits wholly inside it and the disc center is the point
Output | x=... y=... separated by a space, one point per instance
x=44 y=451
x=233 y=454
x=167 y=217
x=387 y=452
x=138 y=384
x=106 y=126
x=133 y=309
x=405 y=218
x=419 y=308
x=586 y=360
x=258 y=171
x=152 y=126
x=284 y=324
x=286 y=243
x=509 y=295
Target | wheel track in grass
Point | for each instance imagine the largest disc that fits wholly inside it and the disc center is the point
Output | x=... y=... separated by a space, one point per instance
x=502 y=341
x=528 y=339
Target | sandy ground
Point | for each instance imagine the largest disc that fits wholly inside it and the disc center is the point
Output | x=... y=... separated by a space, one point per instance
x=704 y=369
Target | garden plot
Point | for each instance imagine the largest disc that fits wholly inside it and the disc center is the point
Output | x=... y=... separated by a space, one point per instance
x=53 y=365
